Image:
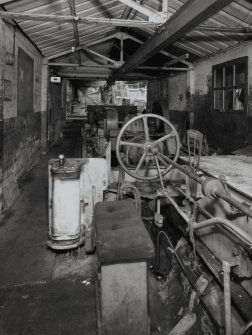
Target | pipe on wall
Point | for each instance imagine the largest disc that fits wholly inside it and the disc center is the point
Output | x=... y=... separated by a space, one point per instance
x=227 y=297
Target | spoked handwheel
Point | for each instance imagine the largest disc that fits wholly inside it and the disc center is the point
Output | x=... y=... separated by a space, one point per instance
x=149 y=146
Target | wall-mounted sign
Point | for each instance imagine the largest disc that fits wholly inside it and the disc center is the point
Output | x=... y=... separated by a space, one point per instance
x=55 y=80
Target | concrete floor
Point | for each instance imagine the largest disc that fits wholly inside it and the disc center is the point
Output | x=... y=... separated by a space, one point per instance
x=26 y=260
x=24 y=256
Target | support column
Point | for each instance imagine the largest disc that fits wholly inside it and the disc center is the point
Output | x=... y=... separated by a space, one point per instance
x=2 y=55
x=44 y=106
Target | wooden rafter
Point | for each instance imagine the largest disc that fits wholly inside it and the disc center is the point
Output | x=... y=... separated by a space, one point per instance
x=79 y=19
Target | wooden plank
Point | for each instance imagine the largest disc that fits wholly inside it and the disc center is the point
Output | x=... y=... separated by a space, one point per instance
x=124 y=308
x=189 y=16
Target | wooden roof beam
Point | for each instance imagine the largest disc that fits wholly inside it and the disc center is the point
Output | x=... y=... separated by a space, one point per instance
x=79 y=19
x=189 y=16
x=71 y=4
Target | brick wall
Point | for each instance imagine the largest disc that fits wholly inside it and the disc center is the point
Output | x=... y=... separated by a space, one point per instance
x=21 y=140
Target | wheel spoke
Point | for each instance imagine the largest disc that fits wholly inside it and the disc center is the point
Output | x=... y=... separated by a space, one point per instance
x=163 y=138
x=159 y=172
x=146 y=129
x=131 y=144
x=140 y=163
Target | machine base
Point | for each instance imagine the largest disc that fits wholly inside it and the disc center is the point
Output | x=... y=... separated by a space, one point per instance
x=65 y=245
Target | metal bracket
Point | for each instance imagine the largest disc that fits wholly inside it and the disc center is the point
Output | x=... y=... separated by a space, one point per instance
x=118 y=63
x=159 y=17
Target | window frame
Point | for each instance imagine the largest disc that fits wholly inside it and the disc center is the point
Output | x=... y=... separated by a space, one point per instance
x=223 y=66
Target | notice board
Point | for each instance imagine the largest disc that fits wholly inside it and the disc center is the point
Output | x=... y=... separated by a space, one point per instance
x=25 y=75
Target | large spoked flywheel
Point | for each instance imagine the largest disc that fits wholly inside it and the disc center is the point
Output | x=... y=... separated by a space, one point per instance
x=148 y=144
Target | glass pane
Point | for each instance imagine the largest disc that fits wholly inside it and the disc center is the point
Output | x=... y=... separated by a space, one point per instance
x=229 y=99
x=240 y=74
x=218 y=73
x=239 y=99
x=229 y=76
x=218 y=99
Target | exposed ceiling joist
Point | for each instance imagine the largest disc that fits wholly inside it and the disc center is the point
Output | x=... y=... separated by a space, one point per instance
x=73 y=75
x=101 y=40
x=176 y=60
x=163 y=68
x=4 y=2
x=81 y=65
x=128 y=76
x=189 y=16
x=238 y=30
x=152 y=68
x=81 y=47
x=154 y=16
x=138 y=7
x=79 y=19
x=75 y=28
x=165 y=53
x=101 y=56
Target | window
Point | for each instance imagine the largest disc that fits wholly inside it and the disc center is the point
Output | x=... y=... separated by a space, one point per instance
x=230 y=85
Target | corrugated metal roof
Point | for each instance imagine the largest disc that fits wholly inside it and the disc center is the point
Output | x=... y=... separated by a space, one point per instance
x=56 y=39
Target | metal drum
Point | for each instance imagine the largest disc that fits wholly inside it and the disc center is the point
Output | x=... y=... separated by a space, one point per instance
x=65 y=225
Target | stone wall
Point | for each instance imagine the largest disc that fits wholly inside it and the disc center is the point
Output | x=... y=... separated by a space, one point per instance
x=20 y=134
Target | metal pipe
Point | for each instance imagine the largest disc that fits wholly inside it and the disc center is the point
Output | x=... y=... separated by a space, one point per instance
x=236 y=231
x=134 y=189
x=179 y=167
x=231 y=227
x=244 y=209
x=227 y=297
x=245 y=328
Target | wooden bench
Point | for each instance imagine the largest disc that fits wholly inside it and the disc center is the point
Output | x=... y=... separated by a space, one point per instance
x=123 y=245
